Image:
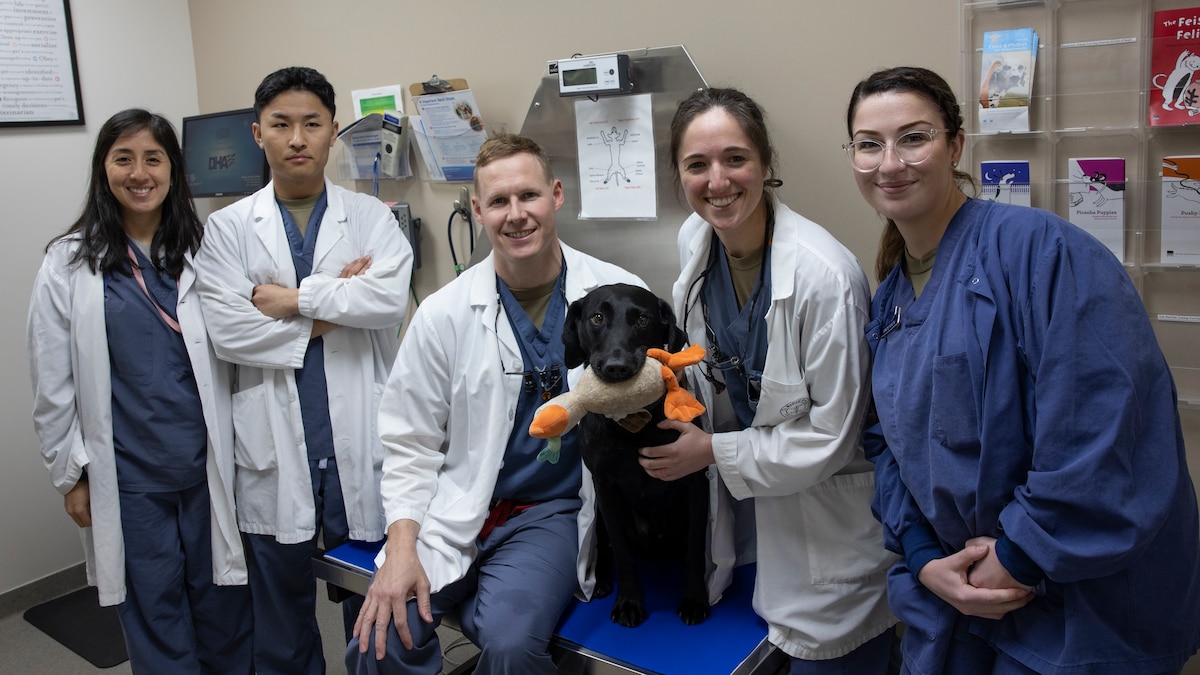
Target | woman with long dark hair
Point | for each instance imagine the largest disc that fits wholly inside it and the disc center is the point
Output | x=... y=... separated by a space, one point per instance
x=133 y=409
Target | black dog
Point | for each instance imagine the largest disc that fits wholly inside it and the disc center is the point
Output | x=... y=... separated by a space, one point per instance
x=610 y=329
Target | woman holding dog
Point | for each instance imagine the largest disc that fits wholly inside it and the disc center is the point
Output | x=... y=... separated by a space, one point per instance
x=1030 y=466
x=132 y=408
x=780 y=307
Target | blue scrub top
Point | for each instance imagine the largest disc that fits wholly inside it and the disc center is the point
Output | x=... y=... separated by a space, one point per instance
x=522 y=477
x=1023 y=396
x=159 y=436
x=737 y=338
x=310 y=378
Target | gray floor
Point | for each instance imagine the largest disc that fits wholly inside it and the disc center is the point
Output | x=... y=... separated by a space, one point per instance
x=25 y=650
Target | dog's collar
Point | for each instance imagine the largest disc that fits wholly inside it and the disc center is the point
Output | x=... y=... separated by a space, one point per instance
x=634 y=421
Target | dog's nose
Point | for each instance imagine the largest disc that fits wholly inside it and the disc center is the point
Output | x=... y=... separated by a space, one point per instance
x=617 y=370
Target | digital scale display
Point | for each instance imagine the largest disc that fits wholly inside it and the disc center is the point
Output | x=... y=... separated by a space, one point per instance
x=593 y=75
x=579 y=76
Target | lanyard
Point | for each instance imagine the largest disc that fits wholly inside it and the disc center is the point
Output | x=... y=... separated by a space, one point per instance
x=137 y=274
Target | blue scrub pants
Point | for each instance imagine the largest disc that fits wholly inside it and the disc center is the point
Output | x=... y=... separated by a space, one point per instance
x=175 y=619
x=872 y=658
x=283 y=587
x=509 y=603
x=969 y=653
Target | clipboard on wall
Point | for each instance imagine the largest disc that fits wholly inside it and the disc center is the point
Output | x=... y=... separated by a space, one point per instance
x=447 y=127
x=436 y=85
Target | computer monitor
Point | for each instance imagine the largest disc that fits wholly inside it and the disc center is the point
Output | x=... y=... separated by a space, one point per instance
x=220 y=155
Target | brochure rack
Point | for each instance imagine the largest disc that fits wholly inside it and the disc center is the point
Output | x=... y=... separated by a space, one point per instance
x=1091 y=95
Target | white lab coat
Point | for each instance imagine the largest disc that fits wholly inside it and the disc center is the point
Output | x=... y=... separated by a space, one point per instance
x=72 y=414
x=821 y=562
x=448 y=411
x=245 y=245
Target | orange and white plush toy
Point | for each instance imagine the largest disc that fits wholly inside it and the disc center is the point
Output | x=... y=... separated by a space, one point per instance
x=624 y=402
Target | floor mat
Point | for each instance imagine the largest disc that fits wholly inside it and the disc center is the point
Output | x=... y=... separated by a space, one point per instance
x=80 y=624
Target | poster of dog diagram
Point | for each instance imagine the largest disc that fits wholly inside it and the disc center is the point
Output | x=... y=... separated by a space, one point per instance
x=615 y=139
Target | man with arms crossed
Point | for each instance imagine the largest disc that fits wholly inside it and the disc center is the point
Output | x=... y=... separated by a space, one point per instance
x=303 y=286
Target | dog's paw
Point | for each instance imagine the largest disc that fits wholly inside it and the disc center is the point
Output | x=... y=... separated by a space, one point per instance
x=628 y=613
x=604 y=571
x=693 y=610
x=603 y=588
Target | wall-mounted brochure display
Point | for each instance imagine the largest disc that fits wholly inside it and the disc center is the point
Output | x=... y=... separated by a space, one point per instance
x=1112 y=141
x=448 y=129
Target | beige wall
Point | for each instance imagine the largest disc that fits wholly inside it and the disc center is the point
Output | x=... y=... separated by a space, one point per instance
x=798 y=58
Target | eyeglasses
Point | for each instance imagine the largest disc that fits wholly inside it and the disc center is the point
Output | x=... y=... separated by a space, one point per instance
x=546 y=382
x=911 y=148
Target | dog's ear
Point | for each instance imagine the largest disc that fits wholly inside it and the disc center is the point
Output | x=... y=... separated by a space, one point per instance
x=676 y=338
x=573 y=351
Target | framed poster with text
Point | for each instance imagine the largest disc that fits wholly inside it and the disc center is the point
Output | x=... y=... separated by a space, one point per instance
x=39 y=81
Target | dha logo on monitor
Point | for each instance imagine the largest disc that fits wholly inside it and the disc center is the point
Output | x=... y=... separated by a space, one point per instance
x=222 y=162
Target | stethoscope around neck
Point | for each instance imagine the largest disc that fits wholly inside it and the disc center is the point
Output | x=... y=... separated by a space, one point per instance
x=717 y=360
x=548 y=379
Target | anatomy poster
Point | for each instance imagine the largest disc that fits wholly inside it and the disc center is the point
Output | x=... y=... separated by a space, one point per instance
x=615 y=138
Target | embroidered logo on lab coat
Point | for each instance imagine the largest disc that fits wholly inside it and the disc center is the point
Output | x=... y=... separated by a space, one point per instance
x=795 y=408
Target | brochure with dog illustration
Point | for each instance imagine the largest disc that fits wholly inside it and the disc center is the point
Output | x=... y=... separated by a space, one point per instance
x=1005 y=181
x=1006 y=79
x=1180 y=210
x=1175 y=68
x=1096 y=201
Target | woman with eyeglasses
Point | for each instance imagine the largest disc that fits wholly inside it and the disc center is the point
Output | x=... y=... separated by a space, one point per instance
x=1030 y=466
x=780 y=306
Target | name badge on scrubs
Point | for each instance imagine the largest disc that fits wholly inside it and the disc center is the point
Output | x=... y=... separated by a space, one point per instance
x=891 y=328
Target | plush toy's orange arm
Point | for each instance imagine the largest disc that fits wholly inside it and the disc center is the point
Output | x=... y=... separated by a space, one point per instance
x=679 y=360
x=552 y=420
x=679 y=405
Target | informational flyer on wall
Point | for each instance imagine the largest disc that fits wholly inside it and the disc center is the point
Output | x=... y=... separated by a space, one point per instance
x=1174 y=62
x=615 y=139
x=1005 y=181
x=1180 y=210
x=1096 y=201
x=377 y=100
x=1006 y=79
x=450 y=133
